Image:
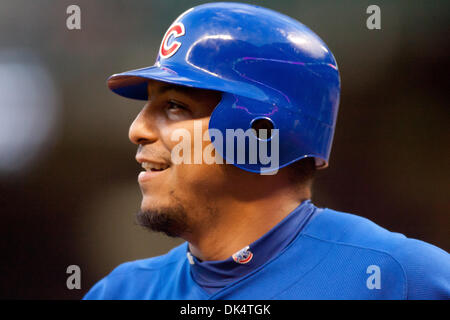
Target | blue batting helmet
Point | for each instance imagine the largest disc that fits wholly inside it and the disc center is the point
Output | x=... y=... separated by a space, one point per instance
x=267 y=66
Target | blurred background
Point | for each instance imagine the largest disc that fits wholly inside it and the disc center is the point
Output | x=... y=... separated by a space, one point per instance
x=68 y=178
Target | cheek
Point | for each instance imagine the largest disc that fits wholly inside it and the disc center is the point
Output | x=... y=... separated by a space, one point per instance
x=193 y=178
x=197 y=185
x=187 y=141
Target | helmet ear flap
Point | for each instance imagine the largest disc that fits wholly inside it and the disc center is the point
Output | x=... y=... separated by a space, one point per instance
x=248 y=134
x=236 y=125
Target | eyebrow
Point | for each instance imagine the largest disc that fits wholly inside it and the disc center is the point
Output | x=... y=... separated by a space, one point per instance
x=181 y=89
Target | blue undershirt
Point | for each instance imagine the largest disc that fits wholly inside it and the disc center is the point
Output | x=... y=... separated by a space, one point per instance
x=214 y=275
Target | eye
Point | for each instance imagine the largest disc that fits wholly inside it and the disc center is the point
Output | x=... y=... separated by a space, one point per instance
x=175 y=106
x=177 y=111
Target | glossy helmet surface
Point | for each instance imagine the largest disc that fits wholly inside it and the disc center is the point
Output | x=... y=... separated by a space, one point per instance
x=266 y=64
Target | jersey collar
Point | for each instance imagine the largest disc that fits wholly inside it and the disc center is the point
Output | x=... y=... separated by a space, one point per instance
x=214 y=275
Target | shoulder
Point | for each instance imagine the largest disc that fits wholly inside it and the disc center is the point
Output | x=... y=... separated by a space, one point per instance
x=126 y=280
x=152 y=264
x=424 y=268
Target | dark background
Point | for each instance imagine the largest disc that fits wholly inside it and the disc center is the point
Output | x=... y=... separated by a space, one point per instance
x=68 y=189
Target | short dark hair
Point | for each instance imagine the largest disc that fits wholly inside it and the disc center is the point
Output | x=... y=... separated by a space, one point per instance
x=302 y=172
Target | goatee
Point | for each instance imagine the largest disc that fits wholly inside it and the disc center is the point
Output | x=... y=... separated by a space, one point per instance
x=172 y=221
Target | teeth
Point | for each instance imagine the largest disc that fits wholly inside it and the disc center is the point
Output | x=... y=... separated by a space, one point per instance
x=153 y=166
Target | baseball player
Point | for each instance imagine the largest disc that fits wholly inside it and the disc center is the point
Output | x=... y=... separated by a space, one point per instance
x=230 y=71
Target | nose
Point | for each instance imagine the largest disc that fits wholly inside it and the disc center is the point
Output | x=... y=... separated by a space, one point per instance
x=142 y=130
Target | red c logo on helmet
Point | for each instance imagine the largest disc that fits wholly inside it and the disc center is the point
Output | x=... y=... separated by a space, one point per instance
x=177 y=30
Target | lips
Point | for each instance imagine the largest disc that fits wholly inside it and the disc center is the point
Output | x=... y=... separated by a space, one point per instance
x=145 y=176
x=152 y=166
x=152 y=169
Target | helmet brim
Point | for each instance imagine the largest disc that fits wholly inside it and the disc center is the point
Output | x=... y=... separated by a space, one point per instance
x=133 y=84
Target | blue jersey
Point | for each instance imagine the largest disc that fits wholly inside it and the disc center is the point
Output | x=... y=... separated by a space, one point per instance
x=335 y=256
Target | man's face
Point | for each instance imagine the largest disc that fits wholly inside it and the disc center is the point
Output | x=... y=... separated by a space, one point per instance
x=176 y=197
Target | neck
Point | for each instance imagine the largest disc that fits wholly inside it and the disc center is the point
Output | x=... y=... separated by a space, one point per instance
x=239 y=222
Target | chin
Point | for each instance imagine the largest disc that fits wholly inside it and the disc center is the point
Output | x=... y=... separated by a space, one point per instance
x=151 y=202
x=171 y=220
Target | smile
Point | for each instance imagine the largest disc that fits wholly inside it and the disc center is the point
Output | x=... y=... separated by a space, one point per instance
x=152 y=170
x=149 y=166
